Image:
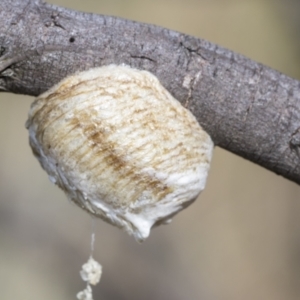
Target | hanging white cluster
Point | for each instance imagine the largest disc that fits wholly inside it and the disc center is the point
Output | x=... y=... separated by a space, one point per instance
x=91 y=273
x=120 y=146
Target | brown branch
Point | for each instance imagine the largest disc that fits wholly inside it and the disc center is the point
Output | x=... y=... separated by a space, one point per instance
x=247 y=108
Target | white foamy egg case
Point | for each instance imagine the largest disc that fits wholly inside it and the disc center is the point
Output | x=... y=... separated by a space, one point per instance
x=120 y=146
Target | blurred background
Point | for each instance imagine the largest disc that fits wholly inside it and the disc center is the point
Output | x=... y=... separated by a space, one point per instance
x=240 y=240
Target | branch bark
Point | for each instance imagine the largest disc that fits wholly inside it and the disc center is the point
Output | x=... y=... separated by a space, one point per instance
x=246 y=107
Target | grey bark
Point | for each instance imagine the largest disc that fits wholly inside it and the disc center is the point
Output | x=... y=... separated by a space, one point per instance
x=246 y=107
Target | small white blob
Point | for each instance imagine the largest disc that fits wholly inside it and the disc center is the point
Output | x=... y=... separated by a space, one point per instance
x=86 y=294
x=91 y=271
x=120 y=146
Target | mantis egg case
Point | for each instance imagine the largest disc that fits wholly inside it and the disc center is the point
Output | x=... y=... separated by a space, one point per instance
x=120 y=146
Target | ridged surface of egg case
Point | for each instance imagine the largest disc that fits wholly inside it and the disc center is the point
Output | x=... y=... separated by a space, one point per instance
x=120 y=146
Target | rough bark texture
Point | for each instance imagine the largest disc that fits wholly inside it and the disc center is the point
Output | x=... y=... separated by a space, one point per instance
x=247 y=108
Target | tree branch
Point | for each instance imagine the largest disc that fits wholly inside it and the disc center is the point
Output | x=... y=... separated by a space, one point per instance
x=247 y=108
